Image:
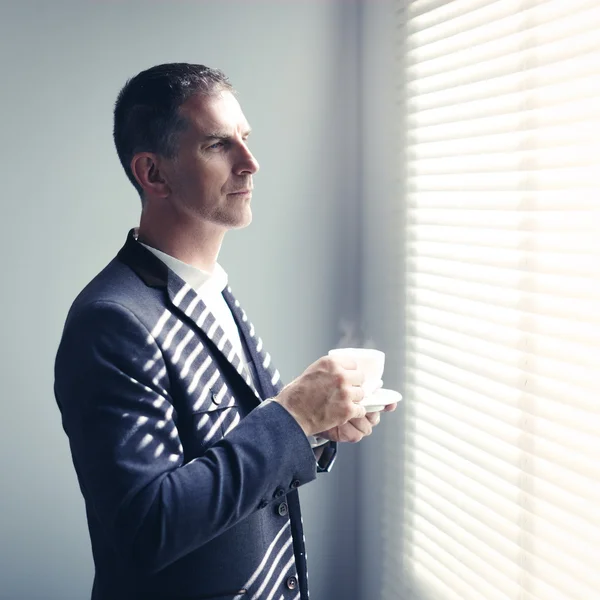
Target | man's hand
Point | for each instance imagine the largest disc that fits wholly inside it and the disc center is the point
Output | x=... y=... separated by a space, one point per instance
x=356 y=429
x=326 y=395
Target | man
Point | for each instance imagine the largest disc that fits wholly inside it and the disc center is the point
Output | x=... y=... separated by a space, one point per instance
x=188 y=450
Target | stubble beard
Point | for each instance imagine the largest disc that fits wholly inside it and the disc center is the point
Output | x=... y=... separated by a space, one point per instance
x=234 y=217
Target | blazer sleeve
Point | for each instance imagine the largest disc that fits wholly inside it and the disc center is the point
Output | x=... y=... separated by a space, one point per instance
x=153 y=506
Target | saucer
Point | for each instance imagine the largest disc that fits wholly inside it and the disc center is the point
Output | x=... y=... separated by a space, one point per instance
x=380 y=399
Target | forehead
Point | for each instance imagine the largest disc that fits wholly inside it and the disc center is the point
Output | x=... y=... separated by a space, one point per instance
x=217 y=113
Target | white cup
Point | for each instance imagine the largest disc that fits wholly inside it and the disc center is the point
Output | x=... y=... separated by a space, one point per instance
x=370 y=362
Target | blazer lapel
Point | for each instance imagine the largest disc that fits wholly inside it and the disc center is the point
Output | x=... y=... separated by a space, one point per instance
x=186 y=300
x=183 y=300
x=269 y=377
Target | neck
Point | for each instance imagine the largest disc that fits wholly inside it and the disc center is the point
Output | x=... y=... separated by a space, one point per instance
x=190 y=240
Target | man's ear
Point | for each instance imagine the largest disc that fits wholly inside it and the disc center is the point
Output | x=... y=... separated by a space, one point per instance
x=146 y=168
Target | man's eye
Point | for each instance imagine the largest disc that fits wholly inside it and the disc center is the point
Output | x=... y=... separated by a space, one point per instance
x=216 y=145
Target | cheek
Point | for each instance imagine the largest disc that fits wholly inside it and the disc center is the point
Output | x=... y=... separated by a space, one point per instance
x=203 y=179
x=209 y=176
x=190 y=180
x=182 y=178
x=217 y=179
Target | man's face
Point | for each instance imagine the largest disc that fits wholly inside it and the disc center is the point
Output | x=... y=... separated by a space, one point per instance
x=211 y=176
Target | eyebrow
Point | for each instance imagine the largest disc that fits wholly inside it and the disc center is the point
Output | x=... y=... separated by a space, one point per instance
x=221 y=135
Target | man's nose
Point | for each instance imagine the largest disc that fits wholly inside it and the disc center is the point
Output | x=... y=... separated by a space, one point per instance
x=246 y=162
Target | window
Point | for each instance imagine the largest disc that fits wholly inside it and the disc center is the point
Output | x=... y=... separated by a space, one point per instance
x=502 y=396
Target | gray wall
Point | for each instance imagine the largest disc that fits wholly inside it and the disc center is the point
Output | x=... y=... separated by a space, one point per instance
x=381 y=217
x=66 y=207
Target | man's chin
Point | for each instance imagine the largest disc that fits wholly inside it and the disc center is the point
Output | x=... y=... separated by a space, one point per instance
x=242 y=222
x=233 y=219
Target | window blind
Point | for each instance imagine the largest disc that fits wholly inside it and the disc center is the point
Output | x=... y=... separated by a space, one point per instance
x=501 y=168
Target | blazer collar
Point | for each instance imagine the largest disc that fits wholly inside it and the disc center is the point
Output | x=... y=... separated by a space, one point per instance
x=151 y=270
x=185 y=301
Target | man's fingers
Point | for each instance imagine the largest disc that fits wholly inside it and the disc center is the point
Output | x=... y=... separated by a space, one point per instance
x=374 y=418
x=357 y=394
x=356 y=377
x=363 y=425
x=353 y=375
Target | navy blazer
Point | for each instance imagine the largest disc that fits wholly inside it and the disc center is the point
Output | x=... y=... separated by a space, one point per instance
x=189 y=479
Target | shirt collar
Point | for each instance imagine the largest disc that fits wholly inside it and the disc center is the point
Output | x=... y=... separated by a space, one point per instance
x=200 y=281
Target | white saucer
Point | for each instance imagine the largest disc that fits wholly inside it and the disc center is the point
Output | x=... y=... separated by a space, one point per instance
x=380 y=399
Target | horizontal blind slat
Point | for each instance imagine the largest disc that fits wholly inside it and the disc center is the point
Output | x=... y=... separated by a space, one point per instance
x=426 y=13
x=559 y=423
x=513 y=366
x=502 y=316
x=580 y=241
x=553 y=70
x=498 y=313
x=529 y=260
x=559 y=447
x=503 y=471
x=436 y=527
x=552 y=420
x=502 y=489
x=580 y=72
x=573 y=221
x=518 y=383
x=535 y=282
x=575 y=178
x=546 y=473
x=523 y=311
x=534 y=159
x=483 y=543
x=577 y=110
x=553 y=39
x=453 y=28
x=525 y=143
x=507 y=516
x=430 y=537
x=509 y=200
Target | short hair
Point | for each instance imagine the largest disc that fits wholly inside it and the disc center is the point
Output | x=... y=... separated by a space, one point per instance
x=146 y=114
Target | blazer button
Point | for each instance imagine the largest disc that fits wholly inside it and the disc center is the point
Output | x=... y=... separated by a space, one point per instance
x=295 y=484
x=291 y=583
x=282 y=509
x=279 y=492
